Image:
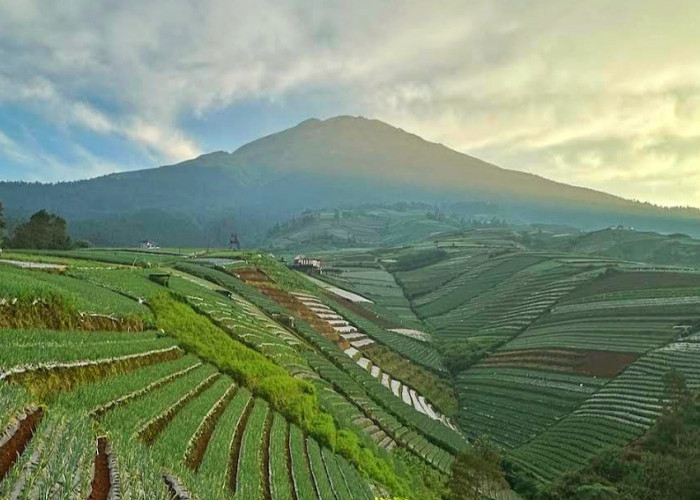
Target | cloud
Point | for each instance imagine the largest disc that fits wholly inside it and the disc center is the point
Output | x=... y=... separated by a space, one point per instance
x=597 y=93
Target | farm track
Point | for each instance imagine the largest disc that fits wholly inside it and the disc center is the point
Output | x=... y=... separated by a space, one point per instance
x=15 y=446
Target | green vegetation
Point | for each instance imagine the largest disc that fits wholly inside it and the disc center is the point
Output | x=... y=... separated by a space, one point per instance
x=250 y=460
x=476 y=472
x=553 y=357
x=278 y=453
x=662 y=465
x=294 y=398
x=38 y=299
x=42 y=231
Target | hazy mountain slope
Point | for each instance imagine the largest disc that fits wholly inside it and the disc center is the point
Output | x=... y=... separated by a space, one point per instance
x=365 y=227
x=341 y=161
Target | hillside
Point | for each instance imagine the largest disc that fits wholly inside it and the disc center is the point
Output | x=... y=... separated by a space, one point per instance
x=192 y=382
x=377 y=226
x=239 y=377
x=555 y=356
x=335 y=163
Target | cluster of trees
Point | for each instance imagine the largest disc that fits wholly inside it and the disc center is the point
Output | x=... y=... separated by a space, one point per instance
x=43 y=231
x=477 y=473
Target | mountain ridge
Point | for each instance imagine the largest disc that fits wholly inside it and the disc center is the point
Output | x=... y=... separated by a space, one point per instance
x=317 y=164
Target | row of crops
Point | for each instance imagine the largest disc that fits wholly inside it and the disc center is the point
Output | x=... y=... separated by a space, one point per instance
x=173 y=413
x=247 y=323
x=422 y=280
x=622 y=410
x=22 y=285
x=473 y=282
x=126 y=257
x=419 y=352
x=150 y=408
x=506 y=303
x=552 y=394
x=379 y=286
x=373 y=390
x=513 y=405
x=383 y=426
x=360 y=345
x=615 y=313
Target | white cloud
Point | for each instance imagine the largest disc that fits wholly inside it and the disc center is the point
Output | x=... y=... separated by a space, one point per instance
x=596 y=93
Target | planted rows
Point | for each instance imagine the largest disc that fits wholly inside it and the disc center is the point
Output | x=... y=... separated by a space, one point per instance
x=622 y=410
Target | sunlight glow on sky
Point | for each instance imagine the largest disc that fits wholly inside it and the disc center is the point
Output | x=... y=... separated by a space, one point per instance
x=597 y=93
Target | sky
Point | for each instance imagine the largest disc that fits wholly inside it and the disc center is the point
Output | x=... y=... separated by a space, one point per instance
x=602 y=94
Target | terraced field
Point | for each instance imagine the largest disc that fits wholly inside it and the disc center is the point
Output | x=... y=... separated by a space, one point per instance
x=513 y=405
x=622 y=410
x=578 y=350
x=182 y=411
x=380 y=287
x=164 y=415
x=231 y=376
x=22 y=289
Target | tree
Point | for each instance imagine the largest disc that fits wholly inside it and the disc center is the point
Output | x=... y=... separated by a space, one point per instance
x=43 y=231
x=675 y=388
x=596 y=491
x=476 y=472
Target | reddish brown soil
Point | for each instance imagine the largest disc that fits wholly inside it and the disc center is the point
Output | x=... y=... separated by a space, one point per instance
x=12 y=450
x=252 y=274
x=297 y=308
x=586 y=362
x=100 y=481
x=236 y=447
x=151 y=433
x=194 y=460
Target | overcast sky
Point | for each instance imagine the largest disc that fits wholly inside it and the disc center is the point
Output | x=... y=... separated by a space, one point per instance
x=604 y=94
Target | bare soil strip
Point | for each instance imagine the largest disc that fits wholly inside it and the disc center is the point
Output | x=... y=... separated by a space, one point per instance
x=101 y=480
x=198 y=446
x=15 y=446
x=152 y=430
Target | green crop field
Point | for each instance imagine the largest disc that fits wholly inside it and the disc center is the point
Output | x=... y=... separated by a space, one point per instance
x=196 y=377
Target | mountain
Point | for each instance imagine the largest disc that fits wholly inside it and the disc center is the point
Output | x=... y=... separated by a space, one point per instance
x=340 y=162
